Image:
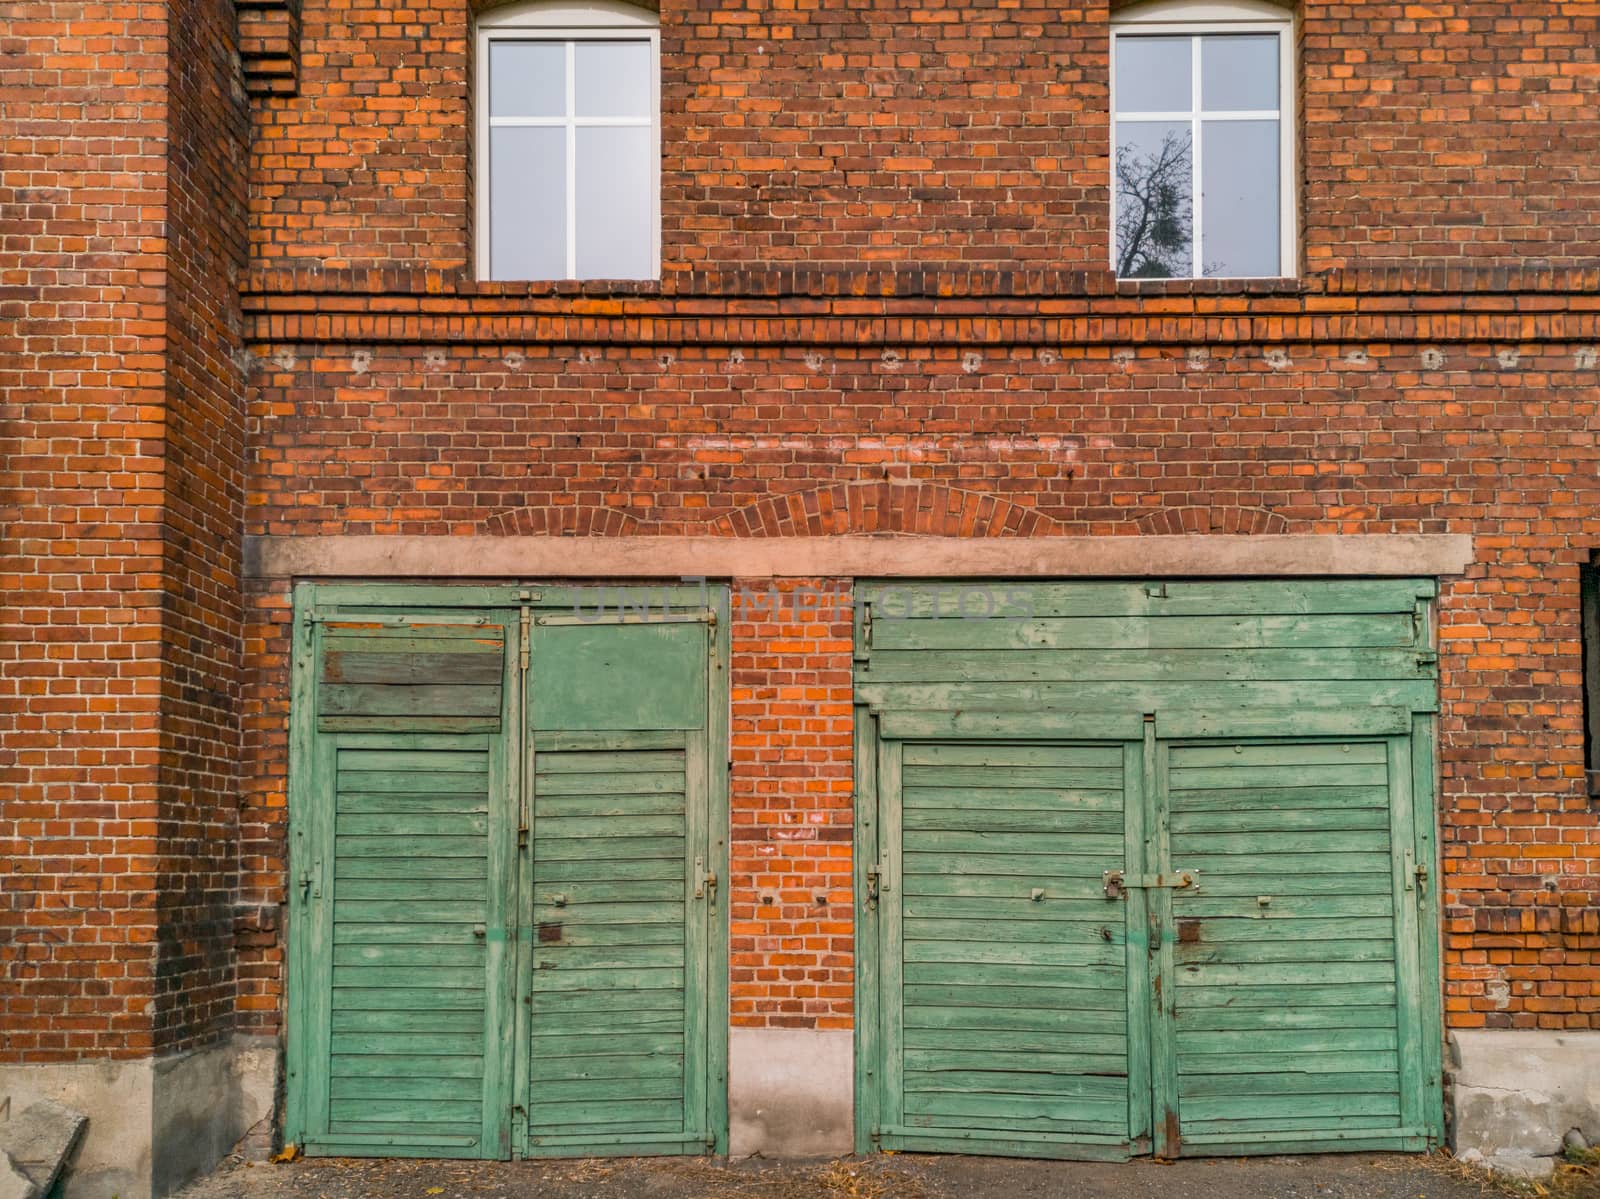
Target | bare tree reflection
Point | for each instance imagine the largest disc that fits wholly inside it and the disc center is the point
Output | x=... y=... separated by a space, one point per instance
x=1155 y=210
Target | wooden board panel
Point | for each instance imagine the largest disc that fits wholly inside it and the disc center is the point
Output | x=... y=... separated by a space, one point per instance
x=417 y=676
x=1008 y=1008
x=1306 y=942
x=1285 y=1020
x=613 y=989
x=408 y=1006
x=619 y=676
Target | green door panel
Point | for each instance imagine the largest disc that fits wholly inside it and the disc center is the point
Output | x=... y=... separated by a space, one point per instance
x=1006 y=971
x=399 y=934
x=1022 y=743
x=619 y=676
x=618 y=1014
x=506 y=837
x=1325 y=1057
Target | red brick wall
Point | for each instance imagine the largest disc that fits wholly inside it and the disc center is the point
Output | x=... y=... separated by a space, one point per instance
x=121 y=242
x=952 y=133
x=82 y=197
x=791 y=911
x=1494 y=439
x=202 y=515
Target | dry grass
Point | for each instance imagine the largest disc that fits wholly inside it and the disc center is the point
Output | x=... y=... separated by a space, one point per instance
x=1576 y=1177
x=872 y=1179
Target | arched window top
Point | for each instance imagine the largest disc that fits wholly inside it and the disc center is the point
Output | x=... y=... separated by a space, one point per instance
x=570 y=14
x=1202 y=12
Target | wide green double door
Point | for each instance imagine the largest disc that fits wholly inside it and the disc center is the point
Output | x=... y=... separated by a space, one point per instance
x=1146 y=869
x=507 y=831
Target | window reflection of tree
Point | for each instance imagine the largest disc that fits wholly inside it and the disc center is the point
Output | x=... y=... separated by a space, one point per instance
x=1155 y=210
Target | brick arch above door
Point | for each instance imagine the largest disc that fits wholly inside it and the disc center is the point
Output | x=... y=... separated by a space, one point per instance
x=1206 y=518
x=574 y=520
x=884 y=507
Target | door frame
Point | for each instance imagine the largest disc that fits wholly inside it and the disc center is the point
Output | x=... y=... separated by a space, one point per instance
x=313 y=601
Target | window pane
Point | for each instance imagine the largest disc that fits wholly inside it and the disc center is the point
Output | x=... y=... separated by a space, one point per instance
x=1155 y=203
x=615 y=170
x=614 y=79
x=1153 y=74
x=528 y=203
x=1243 y=191
x=527 y=79
x=1239 y=73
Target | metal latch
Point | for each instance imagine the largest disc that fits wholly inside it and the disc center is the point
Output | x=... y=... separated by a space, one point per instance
x=704 y=879
x=1416 y=873
x=874 y=885
x=1117 y=883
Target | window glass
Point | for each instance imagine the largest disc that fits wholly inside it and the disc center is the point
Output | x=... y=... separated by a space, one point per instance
x=570 y=182
x=614 y=79
x=527 y=79
x=1153 y=74
x=1198 y=170
x=614 y=235
x=1239 y=72
x=1241 y=195
x=1155 y=199
x=528 y=200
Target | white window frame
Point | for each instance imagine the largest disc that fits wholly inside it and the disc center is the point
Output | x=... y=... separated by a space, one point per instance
x=568 y=21
x=1194 y=20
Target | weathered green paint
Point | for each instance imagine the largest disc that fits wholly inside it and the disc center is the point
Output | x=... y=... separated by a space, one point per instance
x=438 y=1005
x=619 y=676
x=1277 y=738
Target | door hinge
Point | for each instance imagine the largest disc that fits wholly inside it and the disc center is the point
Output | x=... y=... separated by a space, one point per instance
x=864 y=646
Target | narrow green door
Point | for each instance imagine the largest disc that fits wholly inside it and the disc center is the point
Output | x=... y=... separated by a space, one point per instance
x=623 y=889
x=508 y=845
x=399 y=930
x=1296 y=1010
x=1006 y=1026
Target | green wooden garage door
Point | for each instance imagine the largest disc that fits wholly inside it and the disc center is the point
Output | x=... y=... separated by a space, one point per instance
x=1145 y=868
x=506 y=834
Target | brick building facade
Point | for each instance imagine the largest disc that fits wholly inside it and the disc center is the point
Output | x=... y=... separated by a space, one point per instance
x=251 y=347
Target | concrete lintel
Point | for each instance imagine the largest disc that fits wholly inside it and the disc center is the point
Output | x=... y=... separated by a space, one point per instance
x=789 y=1092
x=857 y=556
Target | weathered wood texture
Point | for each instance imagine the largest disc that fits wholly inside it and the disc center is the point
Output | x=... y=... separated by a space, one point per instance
x=504 y=942
x=1258 y=735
